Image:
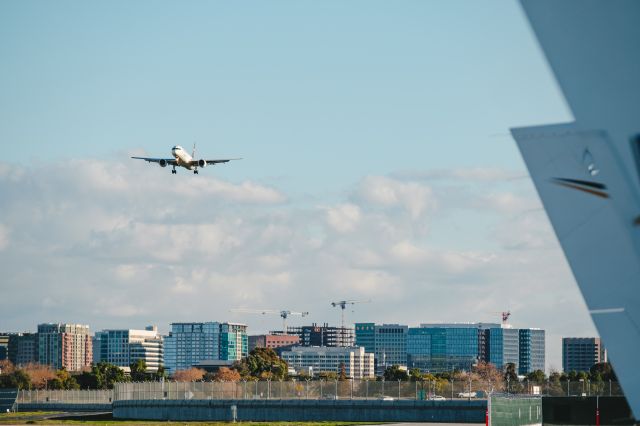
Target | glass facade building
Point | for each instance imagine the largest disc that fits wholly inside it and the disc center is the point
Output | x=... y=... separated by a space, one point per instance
x=124 y=347
x=438 y=348
x=532 y=350
x=191 y=343
x=388 y=343
x=581 y=353
x=504 y=346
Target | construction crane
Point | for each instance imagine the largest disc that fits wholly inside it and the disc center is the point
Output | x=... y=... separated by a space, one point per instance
x=343 y=304
x=505 y=316
x=284 y=314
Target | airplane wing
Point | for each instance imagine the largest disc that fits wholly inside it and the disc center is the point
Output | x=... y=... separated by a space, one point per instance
x=586 y=172
x=169 y=161
x=220 y=161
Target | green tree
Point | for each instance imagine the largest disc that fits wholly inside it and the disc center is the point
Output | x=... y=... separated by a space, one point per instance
x=510 y=372
x=328 y=375
x=63 y=380
x=262 y=363
x=139 y=371
x=395 y=373
x=537 y=376
x=604 y=371
x=102 y=376
x=415 y=374
x=15 y=379
x=160 y=374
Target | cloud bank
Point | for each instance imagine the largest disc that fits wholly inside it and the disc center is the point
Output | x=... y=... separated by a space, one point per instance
x=113 y=246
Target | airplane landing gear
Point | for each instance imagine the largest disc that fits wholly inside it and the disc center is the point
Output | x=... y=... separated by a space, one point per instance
x=173 y=172
x=195 y=172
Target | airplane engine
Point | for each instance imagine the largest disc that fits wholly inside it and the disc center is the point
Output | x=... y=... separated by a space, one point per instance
x=163 y=163
x=202 y=163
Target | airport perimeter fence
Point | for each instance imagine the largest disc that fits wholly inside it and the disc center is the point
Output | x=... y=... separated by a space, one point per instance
x=304 y=389
x=65 y=397
x=313 y=389
x=565 y=388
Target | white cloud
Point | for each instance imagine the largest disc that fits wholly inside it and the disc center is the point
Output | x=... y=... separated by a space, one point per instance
x=382 y=191
x=344 y=218
x=4 y=237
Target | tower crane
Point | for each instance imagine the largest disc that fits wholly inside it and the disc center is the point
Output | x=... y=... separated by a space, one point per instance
x=504 y=314
x=284 y=314
x=343 y=304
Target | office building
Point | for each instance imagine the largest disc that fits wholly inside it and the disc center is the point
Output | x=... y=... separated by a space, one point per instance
x=532 y=350
x=389 y=343
x=504 y=346
x=581 y=353
x=67 y=346
x=4 y=346
x=125 y=347
x=234 y=344
x=272 y=341
x=322 y=335
x=356 y=362
x=437 y=348
x=23 y=348
x=189 y=344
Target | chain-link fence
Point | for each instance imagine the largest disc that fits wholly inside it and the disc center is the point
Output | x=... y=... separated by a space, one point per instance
x=317 y=389
x=65 y=396
x=303 y=389
x=566 y=388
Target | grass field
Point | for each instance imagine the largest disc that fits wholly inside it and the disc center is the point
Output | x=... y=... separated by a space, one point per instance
x=48 y=418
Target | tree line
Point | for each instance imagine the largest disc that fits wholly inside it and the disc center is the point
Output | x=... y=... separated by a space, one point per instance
x=102 y=375
x=264 y=364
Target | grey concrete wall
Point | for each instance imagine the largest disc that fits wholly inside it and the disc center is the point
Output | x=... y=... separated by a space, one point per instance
x=61 y=406
x=458 y=411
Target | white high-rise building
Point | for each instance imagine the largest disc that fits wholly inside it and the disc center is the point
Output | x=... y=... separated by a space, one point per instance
x=124 y=347
x=357 y=363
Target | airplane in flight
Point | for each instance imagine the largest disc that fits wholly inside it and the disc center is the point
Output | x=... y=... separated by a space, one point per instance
x=181 y=158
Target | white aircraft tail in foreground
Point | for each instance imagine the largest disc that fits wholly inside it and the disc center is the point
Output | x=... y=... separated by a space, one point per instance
x=587 y=173
x=181 y=158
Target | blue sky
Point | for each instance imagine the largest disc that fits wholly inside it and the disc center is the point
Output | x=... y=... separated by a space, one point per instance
x=363 y=126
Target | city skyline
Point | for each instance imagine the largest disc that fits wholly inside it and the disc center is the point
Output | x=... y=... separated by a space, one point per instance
x=377 y=165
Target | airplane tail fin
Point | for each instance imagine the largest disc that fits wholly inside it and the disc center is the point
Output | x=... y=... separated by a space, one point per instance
x=595 y=213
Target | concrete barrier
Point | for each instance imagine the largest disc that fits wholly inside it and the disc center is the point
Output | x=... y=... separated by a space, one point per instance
x=62 y=406
x=451 y=411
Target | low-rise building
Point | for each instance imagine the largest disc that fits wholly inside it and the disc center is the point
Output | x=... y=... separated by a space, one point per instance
x=356 y=362
x=272 y=341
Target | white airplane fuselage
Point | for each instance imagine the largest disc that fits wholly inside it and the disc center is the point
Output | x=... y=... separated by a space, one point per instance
x=183 y=159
